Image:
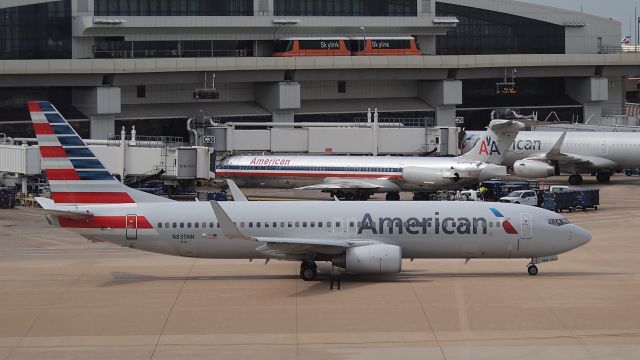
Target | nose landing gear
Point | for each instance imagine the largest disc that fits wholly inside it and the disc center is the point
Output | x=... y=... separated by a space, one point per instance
x=532 y=270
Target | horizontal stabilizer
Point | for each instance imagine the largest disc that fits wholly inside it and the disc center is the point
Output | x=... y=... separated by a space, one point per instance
x=49 y=207
x=236 y=193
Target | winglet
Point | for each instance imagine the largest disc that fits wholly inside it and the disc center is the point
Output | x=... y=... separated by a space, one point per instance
x=235 y=191
x=229 y=229
x=555 y=150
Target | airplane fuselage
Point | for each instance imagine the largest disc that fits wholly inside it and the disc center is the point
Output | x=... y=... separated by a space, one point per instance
x=387 y=172
x=421 y=230
x=621 y=149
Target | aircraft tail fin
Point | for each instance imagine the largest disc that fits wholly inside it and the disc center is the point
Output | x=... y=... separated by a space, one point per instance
x=497 y=140
x=76 y=176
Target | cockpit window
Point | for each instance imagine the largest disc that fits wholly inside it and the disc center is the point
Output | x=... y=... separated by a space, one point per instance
x=558 y=222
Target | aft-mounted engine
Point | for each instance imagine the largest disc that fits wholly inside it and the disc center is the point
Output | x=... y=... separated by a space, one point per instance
x=371 y=259
x=533 y=169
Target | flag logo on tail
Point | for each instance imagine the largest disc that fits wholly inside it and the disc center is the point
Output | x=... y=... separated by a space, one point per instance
x=75 y=175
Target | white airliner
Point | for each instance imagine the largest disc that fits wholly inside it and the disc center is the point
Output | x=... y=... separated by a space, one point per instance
x=539 y=154
x=361 y=238
x=357 y=177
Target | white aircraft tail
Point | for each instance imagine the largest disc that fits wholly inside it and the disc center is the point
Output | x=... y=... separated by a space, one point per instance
x=76 y=176
x=497 y=140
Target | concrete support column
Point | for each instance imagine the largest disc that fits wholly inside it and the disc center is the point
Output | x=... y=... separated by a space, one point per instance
x=100 y=104
x=102 y=126
x=443 y=96
x=281 y=99
x=591 y=92
x=263 y=7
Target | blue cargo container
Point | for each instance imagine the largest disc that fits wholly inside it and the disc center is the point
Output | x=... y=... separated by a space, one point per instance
x=587 y=199
x=559 y=201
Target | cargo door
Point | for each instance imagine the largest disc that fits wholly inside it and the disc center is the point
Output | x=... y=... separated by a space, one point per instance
x=131 y=227
x=186 y=247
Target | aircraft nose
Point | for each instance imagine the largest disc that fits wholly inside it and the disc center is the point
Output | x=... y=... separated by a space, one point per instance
x=581 y=236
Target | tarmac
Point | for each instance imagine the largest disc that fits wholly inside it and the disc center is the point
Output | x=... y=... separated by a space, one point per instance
x=62 y=297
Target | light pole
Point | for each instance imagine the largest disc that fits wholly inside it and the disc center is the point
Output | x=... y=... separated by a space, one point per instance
x=364 y=39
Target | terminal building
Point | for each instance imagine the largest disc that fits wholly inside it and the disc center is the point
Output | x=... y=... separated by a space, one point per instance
x=107 y=63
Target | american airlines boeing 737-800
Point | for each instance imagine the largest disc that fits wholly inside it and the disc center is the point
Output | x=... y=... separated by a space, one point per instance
x=357 y=177
x=361 y=238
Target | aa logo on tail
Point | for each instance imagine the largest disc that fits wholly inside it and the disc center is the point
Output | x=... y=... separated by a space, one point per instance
x=489 y=147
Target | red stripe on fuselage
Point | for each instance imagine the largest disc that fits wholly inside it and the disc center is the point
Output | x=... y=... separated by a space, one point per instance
x=62 y=174
x=34 y=106
x=91 y=198
x=99 y=222
x=311 y=175
x=43 y=129
x=52 y=152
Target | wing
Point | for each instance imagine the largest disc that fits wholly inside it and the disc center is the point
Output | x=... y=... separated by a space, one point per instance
x=286 y=248
x=343 y=184
x=580 y=161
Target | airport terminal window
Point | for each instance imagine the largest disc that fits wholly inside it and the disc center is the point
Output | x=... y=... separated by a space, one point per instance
x=41 y=31
x=345 y=7
x=116 y=47
x=482 y=32
x=174 y=8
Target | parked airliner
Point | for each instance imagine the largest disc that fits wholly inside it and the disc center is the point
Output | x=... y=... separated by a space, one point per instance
x=539 y=154
x=357 y=177
x=361 y=238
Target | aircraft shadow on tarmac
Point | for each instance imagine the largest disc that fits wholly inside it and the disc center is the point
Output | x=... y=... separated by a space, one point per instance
x=321 y=285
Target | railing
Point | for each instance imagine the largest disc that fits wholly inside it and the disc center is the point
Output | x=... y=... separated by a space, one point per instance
x=399 y=122
x=148 y=141
x=172 y=53
x=619 y=49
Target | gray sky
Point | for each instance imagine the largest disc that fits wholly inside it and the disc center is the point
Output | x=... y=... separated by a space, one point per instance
x=621 y=10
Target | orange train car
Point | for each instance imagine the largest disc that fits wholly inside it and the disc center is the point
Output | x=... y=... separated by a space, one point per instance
x=291 y=47
x=342 y=46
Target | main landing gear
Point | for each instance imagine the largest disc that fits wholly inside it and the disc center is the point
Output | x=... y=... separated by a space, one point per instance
x=308 y=270
x=576 y=179
x=393 y=196
x=532 y=270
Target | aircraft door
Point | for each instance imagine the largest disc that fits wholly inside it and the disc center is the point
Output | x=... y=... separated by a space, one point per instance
x=186 y=247
x=526 y=229
x=337 y=226
x=131 y=227
x=604 y=147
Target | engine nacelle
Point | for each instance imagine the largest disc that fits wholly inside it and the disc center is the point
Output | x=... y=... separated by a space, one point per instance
x=371 y=259
x=533 y=169
x=425 y=176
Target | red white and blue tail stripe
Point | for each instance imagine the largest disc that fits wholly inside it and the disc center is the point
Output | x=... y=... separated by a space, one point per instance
x=75 y=175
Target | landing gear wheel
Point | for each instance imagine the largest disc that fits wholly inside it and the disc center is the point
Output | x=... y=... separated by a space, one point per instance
x=308 y=271
x=576 y=180
x=393 y=196
x=603 y=177
x=532 y=270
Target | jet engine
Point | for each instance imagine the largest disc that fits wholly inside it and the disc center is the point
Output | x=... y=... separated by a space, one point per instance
x=371 y=259
x=421 y=176
x=533 y=169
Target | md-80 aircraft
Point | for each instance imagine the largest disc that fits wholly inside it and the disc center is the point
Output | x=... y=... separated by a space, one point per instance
x=358 y=177
x=361 y=238
x=539 y=154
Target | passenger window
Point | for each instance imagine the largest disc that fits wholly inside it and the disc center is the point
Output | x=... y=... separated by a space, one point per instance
x=297 y=223
x=328 y=224
x=242 y=224
x=275 y=224
x=196 y=225
x=319 y=223
x=189 y=225
x=166 y=225
x=313 y=224
x=250 y=223
x=266 y=224
x=258 y=224
x=204 y=225
x=282 y=224
x=159 y=225
x=175 y=225
x=337 y=224
x=304 y=224
x=289 y=224
x=181 y=225
x=352 y=224
x=218 y=225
